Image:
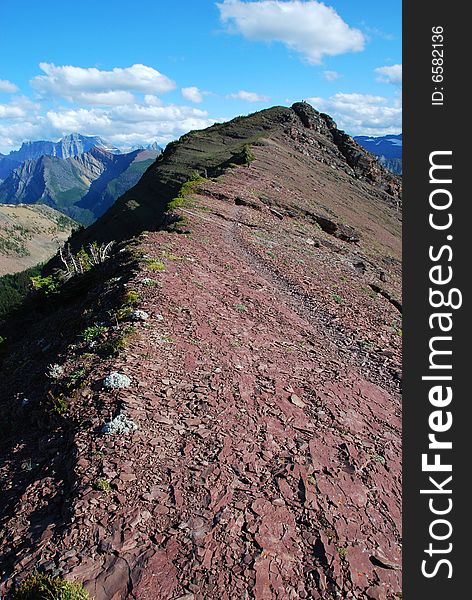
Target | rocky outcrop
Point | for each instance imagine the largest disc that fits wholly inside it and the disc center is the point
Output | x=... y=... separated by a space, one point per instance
x=364 y=164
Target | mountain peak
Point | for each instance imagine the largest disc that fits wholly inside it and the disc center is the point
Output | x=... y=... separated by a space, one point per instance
x=212 y=151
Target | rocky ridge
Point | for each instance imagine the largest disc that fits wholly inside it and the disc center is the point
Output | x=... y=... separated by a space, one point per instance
x=259 y=353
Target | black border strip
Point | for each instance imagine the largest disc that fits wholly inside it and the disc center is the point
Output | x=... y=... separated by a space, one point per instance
x=441 y=125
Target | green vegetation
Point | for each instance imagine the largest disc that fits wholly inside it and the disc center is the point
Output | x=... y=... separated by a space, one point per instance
x=337 y=298
x=116 y=344
x=247 y=155
x=15 y=288
x=64 y=223
x=93 y=332
x=342 y=553
x=379 y=458
x=57 y=405
x=169 y=255
x=131 y=298
x=121 y=314
x=369 y=292
x=76 y=377
x=155 y=265
x=47 y=285
x=149 y=282
x=102 y=485
x=240 y=307
x=13 y=245
x=397 y=330
x=187 y=189
x=39 y=586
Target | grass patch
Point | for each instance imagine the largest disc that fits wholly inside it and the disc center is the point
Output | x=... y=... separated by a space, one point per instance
x=188 y=188
x=155 y=265
x=57 y=405
x=118 y=343
x=397 y=330
x=169 y=255
x=94 y=332
x=39 y=586
x=131 y=298
x=241 y=307
x=121 y=314
x=102 y=485
x=337 y=298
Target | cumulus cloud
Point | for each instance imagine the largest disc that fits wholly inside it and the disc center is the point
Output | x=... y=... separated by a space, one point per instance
x=391 y=74
x=114 y=98
x=362 y=114
x=132 y=123
x=8 y=86
x=331 y=75
x=121 y=105
x=75 y=83
x=10 y=111
x=310 y=28
x=152 y=100
x=248 y=96
x=193 y=94
x=122 y=125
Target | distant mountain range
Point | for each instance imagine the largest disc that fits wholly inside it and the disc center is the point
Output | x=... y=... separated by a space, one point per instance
x=81 y=176
x=388 y=148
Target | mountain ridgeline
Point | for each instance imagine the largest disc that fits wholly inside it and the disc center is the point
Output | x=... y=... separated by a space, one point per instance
x=387 y=148
x=81 y=185
x=212 y=151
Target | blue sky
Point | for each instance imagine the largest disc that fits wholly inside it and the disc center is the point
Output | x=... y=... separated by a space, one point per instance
x=151 y=70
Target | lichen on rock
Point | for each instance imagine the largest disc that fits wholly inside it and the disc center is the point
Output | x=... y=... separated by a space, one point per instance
x=120 y=425
x=116 y=381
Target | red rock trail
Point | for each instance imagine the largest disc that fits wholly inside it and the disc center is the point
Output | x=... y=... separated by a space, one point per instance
x=266 y=463
x=269 y=467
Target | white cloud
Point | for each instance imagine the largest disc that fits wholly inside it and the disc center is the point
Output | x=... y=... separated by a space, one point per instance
x=8 y=86
x=248 y=96
x=331 y=75
x=310 y=28
x=123 y=125
x=114 y=98
x=391 y=74
x=75 y=83
x=362 y=114
x=10 y=111
x=132 y=123
x=193 y=94
x=152 y=100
